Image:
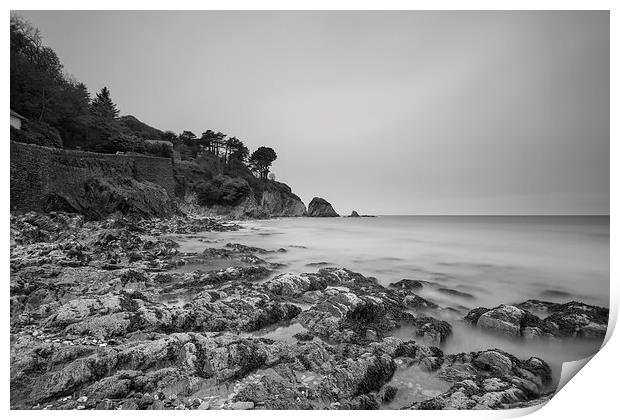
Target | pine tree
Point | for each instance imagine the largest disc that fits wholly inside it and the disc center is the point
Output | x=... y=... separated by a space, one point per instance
x=103 y=107
x=261 y=160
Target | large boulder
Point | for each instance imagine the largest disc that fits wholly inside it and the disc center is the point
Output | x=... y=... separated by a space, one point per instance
x=288 y=284
x=320 y=207
x=505 y=319
x=572 y=319
x=508 y=320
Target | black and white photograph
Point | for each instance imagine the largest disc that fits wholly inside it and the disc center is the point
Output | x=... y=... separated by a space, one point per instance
x=306 y=209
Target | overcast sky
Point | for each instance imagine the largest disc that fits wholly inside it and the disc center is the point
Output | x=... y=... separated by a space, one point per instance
x=382 y=112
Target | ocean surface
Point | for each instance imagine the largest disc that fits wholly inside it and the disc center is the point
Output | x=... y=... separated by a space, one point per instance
x=489 y=260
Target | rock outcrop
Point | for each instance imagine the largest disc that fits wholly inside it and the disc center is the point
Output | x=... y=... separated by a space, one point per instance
x=354 y=213
x=320 y=207
x=572 y=319
x=282 y=203
x=234 y=192
x=271 y=204
x=488 y=380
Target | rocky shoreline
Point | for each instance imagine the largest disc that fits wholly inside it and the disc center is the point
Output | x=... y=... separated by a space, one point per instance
x=101 y=318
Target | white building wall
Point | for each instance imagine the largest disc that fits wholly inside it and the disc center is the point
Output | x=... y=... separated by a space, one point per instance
x=16 y=122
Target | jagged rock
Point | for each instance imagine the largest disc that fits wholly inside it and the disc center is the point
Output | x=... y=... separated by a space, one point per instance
x=178 y=225
x=490 y=379
x=505 y=319
x=295 y=284
x=178 y=368
x=234 y=253
x=509 y=320
x=407 y=284
x=493 y=361
x=433 y=331
x=247 y=249
x=572 y=319
x=354 y=214
x=414 y=301
x=32 y=227
x=319 y=207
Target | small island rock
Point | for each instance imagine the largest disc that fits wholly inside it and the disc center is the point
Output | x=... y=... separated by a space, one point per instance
x=320 y=207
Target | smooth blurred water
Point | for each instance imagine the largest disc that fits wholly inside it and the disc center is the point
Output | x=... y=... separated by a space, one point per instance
x=497 y=259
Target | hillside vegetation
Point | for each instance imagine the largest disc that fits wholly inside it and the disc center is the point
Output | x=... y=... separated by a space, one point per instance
x=214 y=169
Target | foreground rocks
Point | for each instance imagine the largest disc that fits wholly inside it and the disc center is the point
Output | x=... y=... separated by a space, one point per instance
x=348 y=307
x=99 y=320
x=320 y=207
x=215 y=371
x=488 y=380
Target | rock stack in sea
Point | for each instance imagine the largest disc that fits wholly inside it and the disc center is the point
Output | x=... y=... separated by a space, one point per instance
x=319 y=207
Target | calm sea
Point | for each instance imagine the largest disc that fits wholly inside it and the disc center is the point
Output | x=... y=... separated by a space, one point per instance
x=494 y=260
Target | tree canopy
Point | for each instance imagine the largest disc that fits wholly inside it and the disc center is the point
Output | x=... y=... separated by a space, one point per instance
x=103 y=107
x=55 y=105
x=261 y=160
x=236 y=149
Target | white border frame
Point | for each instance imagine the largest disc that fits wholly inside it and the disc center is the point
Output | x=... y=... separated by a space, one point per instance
x=591 y=395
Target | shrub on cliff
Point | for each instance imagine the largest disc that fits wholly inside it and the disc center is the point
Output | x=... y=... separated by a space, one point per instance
x=37 y=132
x=122 y=143
x=222 y=190
x=158 y=149
x=139 y=129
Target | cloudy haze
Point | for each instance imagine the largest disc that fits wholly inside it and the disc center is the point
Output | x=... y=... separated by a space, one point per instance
x=382 y=112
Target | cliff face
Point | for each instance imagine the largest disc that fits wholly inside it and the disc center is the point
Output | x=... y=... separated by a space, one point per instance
x=210 y=188
x=282 y=204
x=271 y=203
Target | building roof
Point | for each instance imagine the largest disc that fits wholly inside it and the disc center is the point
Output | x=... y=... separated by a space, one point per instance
x=15 y=114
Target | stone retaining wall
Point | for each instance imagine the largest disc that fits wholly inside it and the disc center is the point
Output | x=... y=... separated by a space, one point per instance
x=37 y=171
